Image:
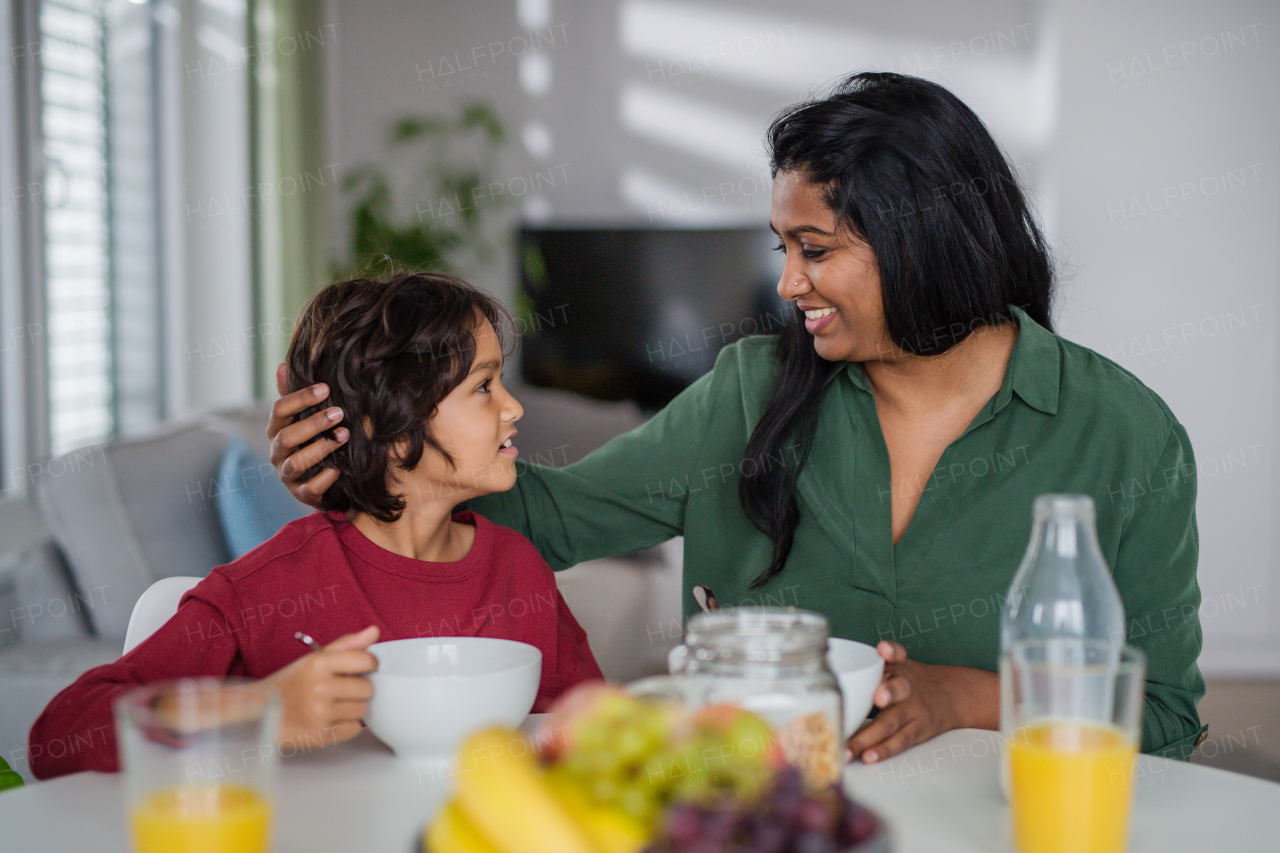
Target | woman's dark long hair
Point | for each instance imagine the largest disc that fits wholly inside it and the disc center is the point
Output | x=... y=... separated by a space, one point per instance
x=913 y=172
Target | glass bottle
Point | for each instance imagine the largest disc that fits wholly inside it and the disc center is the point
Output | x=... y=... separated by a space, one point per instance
x=1063 y=590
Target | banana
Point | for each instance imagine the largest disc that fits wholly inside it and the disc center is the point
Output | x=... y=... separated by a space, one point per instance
x=503 y=792
x=609 y=827
x=453 y=832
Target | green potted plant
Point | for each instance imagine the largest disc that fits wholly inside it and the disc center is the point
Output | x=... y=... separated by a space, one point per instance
x=441 y=223
x=8 y=778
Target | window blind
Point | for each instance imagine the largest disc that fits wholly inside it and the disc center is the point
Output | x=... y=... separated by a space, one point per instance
x=77 y=224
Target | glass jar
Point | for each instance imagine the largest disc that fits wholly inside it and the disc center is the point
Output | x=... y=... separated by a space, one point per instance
x=773 y=662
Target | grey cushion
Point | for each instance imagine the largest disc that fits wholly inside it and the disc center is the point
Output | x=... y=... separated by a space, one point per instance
x=142 y=513
x=41 y=601
x=167 y=487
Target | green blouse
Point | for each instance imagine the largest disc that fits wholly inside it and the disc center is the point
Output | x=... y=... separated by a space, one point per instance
x=1065 y=420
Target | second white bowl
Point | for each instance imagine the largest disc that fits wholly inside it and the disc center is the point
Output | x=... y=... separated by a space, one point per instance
x=429 y=693
x=858 y=668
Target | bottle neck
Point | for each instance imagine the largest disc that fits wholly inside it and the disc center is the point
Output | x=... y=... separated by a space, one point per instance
x=1064 y=585
x=1064 y=536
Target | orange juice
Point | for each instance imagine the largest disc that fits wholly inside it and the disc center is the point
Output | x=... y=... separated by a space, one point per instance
x=202 y=819
x=1071 y=787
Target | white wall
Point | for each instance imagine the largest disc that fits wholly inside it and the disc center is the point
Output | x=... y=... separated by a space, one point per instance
x=1166 y=160
x=652 y=111
x=207 y=223
x=382 y=67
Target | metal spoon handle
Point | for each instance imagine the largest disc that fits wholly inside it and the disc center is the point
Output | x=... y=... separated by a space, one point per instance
x=307 y=640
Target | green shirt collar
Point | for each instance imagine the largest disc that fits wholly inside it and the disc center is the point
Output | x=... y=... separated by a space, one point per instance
x=1033 y=370
x=1035 y=366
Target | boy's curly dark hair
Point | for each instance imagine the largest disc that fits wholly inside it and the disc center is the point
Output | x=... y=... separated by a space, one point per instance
x=390 y=350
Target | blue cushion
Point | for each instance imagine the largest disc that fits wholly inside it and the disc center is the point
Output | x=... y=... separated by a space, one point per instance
x=252 y=502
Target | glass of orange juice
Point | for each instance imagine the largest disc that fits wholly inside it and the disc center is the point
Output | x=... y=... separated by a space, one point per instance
x=1077 y=722
x=200 y=763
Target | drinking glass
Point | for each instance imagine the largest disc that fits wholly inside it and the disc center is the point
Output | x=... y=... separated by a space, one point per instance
x=200 y=763
x=1077 y=721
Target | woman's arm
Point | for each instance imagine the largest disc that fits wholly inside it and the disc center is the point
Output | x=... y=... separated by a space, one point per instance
x=1155 y=572
x=627 y=495
x=619 y=498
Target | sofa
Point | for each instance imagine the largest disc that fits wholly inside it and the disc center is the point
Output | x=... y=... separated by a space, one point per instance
x=123 y=515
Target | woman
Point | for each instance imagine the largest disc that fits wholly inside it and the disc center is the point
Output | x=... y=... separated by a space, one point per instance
x=877 y=461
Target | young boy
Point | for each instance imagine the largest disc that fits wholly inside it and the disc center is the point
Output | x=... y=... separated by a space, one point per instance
x=413 y=366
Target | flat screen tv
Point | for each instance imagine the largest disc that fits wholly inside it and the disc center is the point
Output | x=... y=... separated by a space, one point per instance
x=639 y=314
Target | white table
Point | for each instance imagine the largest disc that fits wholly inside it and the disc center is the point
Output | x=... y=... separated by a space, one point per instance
x=940 y=797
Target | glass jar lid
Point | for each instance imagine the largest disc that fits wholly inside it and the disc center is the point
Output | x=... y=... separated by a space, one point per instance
x=757 y=635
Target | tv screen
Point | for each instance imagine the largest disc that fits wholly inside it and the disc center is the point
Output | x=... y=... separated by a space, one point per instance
x=639 y=314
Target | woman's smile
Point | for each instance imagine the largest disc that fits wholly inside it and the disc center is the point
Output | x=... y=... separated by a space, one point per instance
x=817 y=319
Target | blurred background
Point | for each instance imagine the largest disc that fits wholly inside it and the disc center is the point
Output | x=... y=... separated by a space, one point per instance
x=178 y=176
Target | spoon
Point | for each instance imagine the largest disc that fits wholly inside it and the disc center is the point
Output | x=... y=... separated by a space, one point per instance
x=307 y=640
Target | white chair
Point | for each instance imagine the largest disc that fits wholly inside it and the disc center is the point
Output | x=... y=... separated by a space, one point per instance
x=155 y=607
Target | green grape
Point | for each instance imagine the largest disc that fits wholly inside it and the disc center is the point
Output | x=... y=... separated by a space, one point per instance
x=637 y=801
x=605 y=788
x=631 y=743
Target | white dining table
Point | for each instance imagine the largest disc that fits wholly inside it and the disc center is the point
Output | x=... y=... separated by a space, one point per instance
x=939 y=797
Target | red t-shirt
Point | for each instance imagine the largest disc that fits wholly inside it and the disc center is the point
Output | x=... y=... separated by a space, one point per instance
x=322 y=576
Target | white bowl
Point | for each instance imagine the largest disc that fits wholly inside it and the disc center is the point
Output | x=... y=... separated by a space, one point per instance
x=858 y=668
x=429 y=693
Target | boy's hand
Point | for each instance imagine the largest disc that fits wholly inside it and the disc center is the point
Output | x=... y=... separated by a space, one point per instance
x=326 y=693
x=286 y=436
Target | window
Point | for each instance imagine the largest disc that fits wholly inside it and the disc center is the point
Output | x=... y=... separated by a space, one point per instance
x=118 y=118
x=73 y=115
x=80 y=292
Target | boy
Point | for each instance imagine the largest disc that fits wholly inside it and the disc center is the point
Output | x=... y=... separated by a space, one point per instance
x=413 y=368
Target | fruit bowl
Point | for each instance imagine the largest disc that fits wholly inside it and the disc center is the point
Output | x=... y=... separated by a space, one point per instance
x=429 y=693
x=611 y=772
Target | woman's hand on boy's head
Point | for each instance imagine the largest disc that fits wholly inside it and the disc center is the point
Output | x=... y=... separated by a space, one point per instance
x=286 y=436
x=325 y=692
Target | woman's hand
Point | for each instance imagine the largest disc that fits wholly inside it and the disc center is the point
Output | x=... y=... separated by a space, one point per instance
x=286 y=436
x=919 y=701
x=325 y=692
